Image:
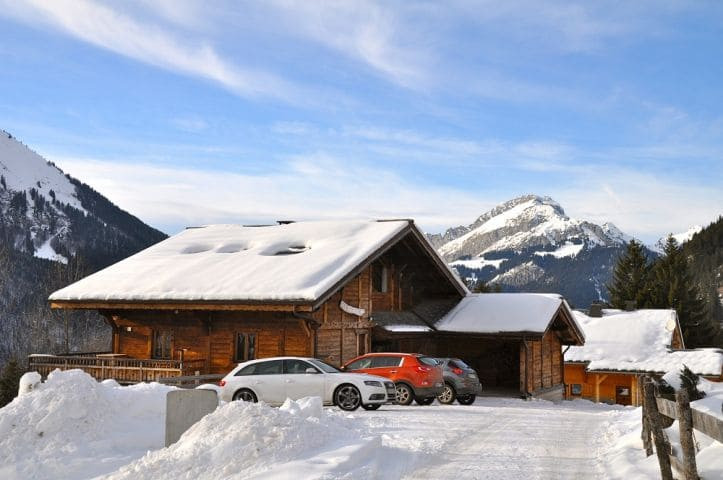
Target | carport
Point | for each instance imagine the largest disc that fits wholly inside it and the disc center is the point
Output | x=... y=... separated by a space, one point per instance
x=513 y=340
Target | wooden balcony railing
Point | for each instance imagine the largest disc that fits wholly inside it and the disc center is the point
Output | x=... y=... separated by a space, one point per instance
x=120 y=368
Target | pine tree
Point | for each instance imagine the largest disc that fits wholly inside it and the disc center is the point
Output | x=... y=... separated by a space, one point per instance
x=9 y=380
x=630 y=278
x=673 y=287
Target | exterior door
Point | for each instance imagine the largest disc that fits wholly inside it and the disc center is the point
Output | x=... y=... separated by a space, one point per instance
x=299 y=383
x=268 y=381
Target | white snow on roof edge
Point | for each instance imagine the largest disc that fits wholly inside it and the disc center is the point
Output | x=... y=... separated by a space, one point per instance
x=502 y=312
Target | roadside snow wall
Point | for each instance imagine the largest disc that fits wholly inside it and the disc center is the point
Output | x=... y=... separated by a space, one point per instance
x=72 y=427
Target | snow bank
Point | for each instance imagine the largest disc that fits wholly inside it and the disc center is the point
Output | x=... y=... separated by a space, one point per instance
x=72 y=427
x=253 y=440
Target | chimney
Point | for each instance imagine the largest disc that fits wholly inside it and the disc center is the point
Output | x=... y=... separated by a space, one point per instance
x=630 y=305
x=595 y=310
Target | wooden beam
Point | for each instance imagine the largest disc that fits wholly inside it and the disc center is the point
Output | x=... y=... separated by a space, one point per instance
x=598 y=380
x=259 y=307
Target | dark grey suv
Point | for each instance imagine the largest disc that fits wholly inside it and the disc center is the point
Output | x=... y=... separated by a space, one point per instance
x=460 y=382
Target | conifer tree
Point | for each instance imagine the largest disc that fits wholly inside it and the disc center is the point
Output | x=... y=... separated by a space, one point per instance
x=630 y=278
x=9 y=381
x=673 y=287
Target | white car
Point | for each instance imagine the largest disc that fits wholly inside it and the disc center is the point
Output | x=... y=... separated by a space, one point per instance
x=273 y=380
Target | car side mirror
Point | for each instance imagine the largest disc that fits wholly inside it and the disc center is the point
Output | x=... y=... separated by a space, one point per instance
x=311 y=370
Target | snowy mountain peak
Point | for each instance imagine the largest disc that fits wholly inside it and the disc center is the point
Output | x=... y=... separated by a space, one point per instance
x=525 y=222
x=23 y=169
x=681 y=238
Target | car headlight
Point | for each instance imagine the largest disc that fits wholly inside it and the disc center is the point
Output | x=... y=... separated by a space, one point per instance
x=372 y=383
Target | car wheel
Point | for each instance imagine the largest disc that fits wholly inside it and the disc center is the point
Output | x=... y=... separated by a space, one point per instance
x=404 y=394
x=424 y=401
x=245 y=395
x=448 y=395
x=371 y=406
x=347 y=397
x=466 y=399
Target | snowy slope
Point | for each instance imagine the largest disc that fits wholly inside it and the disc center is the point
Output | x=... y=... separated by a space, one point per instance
x=24 y=169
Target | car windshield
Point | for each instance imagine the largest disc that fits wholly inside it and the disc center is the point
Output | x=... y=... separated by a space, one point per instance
x=325 y=367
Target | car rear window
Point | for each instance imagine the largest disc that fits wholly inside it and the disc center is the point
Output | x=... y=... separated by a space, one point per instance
x=432 y=362
x=386 y=361
x=457 y=363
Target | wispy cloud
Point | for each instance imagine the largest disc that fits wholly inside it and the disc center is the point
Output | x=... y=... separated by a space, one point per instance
x=367 y=31
x=316 y=186
x=118 y=32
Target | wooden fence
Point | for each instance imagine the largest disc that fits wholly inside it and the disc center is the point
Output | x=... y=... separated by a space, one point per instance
x=191 y=381
x=119 y=368
x=659 y=413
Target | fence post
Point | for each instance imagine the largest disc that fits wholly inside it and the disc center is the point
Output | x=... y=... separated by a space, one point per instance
x=645 y=433
x=685 y=422
x=662 y=447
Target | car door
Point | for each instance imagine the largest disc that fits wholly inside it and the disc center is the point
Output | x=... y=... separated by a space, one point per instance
x=300 y=383
x=267 y=381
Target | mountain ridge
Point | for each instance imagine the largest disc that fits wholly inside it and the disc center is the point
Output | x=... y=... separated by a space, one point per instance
x=54 y=229
x=529 y=243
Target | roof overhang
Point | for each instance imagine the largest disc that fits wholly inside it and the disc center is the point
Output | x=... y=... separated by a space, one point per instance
x=195 y=305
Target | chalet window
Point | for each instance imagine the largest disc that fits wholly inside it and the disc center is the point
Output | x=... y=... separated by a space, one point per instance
x=162 y=344
x=245 y=347
x=576 y=389
x=379 y=278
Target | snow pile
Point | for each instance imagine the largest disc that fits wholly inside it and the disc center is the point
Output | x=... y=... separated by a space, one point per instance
x=73 y=427
x=644 y=346
x=29 y=382
x=297 y=261
x=253 y=440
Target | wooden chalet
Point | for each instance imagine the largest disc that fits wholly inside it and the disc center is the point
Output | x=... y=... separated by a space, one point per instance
x=210 y=297
x=513 y=340
x=621 y=346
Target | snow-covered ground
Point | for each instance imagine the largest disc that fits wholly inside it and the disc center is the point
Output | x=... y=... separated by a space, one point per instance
x=74 y=427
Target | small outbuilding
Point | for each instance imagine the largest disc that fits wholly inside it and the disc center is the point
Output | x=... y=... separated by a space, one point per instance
x=621 y=346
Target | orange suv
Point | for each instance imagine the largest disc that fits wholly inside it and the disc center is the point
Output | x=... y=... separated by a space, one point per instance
x=417 y=377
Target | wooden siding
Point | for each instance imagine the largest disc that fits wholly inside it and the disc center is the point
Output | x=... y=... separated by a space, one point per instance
x=211 y=335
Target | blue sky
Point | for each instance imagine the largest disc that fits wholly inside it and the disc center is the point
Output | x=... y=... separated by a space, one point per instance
x=195 y=112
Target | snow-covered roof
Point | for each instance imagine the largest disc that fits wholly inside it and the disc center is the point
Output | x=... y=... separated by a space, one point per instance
x=504 y=312
x=289 y=262
x=638 y=341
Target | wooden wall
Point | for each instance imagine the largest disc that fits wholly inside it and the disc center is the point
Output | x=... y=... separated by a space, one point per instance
x=541 y=362
x=338 y=333
x=211 y=335
x=599 y=387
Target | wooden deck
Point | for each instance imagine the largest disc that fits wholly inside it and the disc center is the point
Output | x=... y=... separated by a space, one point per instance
x=120 y=368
